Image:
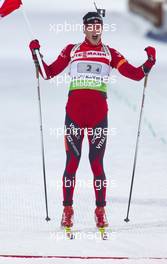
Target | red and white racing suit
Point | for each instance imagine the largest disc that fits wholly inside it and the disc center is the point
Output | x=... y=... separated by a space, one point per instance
x=87 y=108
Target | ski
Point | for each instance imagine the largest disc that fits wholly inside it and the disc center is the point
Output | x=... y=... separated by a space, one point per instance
x=69 y=233
x=103 y=233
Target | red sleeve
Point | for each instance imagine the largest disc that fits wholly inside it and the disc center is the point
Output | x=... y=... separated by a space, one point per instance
x=117 y=58
x=131 y=72
x=60 y=63
x=126 y=69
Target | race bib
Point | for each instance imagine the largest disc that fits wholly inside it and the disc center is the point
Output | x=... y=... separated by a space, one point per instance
x=91 y=68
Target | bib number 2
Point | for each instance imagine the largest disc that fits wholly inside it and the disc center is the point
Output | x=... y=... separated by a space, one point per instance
x=92 y=68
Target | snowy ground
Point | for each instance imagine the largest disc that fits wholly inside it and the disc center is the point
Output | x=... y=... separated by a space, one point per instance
x=23 y=230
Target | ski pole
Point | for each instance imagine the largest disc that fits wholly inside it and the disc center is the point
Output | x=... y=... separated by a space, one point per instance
x=38 y=64
x=136 y=149
x=42 y=141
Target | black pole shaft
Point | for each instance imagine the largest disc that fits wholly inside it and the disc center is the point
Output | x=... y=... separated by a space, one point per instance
x=42 y=144
x=136 y=150
x=95 y=6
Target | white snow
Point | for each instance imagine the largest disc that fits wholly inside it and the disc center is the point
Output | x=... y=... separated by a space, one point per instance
x=23 y=230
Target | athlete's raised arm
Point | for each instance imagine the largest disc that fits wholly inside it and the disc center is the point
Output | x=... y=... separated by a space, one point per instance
x=130 y=71
x=58 y=65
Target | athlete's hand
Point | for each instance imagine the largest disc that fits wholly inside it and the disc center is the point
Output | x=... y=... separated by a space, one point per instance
x=34 y=44
x=151 y=53
x=147 y=66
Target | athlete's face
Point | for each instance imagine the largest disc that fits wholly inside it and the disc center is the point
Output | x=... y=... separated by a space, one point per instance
x=93 y=32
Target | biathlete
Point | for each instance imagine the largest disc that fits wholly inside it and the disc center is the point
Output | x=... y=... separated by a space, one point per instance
x=90 y=64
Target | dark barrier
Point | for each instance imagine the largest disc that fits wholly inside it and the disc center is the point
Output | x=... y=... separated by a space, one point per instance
x=152 y=10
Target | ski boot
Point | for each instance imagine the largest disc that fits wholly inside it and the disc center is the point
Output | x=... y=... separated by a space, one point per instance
x=67 y=216
x=100 y=217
